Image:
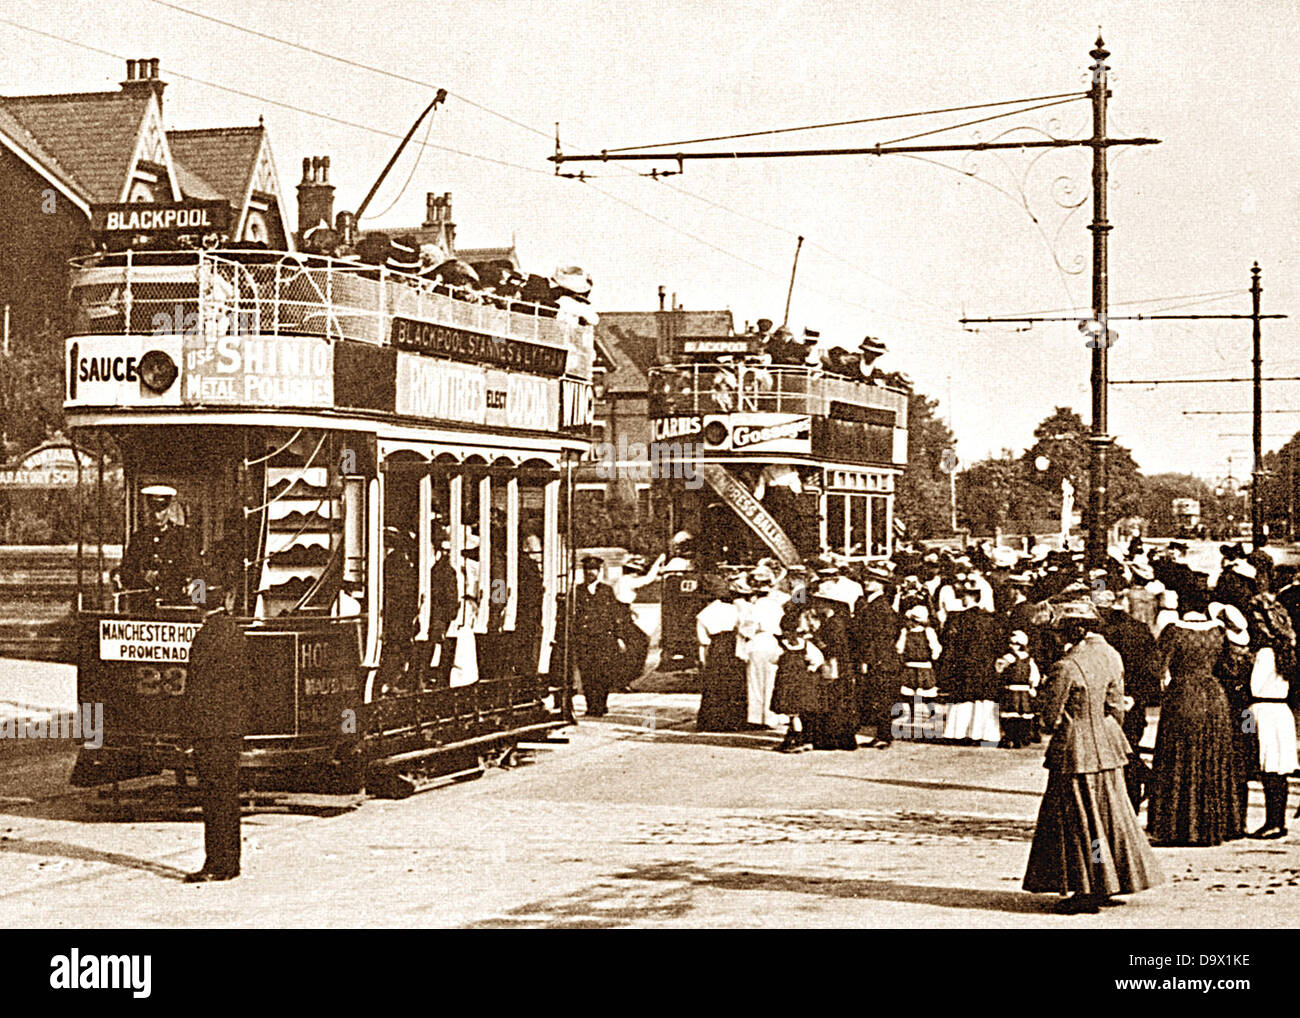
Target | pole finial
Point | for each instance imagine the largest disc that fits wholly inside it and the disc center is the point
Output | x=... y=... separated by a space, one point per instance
x=1100 y=53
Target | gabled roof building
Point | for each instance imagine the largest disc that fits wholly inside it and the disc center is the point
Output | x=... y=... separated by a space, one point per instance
x=64 y=154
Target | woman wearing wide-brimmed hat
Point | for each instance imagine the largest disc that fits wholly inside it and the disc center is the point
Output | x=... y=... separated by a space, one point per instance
x=1087 y=842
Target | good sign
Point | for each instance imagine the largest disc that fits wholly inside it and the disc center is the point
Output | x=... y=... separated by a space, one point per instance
x=746 y=436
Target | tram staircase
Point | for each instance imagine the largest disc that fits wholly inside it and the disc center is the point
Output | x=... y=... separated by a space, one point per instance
x=38 y=586
x=303 y=530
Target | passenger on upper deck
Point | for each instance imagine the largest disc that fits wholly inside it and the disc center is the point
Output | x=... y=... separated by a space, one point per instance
x=785 y=349
x=161 y=556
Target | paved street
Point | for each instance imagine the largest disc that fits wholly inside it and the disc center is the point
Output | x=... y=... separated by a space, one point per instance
x=638 y=821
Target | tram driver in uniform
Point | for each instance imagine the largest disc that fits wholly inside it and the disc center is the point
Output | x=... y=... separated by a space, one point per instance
x=161 y=556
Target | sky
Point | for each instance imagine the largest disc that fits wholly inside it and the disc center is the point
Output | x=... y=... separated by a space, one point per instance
x=895 y=247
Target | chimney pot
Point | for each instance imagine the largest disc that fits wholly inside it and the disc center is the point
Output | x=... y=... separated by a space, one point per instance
x=153 y=68
x=315 y=195
x=130 y=70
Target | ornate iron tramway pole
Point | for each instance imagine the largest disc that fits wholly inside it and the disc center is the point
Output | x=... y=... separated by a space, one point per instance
x=1100 y=442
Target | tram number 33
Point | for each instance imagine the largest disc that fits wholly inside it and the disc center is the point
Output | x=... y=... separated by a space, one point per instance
x=151 y=681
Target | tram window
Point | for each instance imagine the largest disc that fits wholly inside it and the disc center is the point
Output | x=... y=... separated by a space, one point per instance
x=179 y=545
x=401 y=577
x=835 y=523
x=857 y=524
x=879 y=525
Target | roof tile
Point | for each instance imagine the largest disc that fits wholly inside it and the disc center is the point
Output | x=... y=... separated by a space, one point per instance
x=92 y=135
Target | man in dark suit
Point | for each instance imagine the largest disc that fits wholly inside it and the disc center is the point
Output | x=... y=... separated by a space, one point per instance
x=444 y=604
x=218 y=674
x=875 y=629
x=595 y=635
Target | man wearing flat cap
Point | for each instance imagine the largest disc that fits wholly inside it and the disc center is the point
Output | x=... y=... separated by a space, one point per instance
x=161 y=556
x=595 y=635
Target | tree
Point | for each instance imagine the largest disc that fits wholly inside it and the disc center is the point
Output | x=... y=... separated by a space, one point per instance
x=1061 y=439
x=1157 y=506
x=31 y=390
x=922 y=498
x=998 y=493
x=985 y=491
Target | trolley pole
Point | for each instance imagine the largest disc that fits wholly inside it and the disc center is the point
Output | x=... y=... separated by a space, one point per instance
x=1099 y=441
x=1258 y=537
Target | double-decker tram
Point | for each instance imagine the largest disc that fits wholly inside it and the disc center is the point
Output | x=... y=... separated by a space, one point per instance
x=378 y=469
x=761 y=454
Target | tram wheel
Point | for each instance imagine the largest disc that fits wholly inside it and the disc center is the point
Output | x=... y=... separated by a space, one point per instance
x=348 y=775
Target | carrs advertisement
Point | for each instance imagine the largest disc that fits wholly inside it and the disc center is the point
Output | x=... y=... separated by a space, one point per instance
x=472 y=394
x=123 y=640
x=250 y=370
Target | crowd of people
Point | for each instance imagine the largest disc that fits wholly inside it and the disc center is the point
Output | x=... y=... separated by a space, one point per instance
x=964 y=647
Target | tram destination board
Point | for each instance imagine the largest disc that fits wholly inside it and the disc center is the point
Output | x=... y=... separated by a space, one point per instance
x=166 y=218
x=477 y=347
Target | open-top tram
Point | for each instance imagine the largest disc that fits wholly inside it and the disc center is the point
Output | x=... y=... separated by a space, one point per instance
x=763 y=456
x=380 y=470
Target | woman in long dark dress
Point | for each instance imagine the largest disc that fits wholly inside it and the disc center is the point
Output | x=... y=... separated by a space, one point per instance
x=723 y=696
x=1194 y=797
x=1088 y=841
x=835 y=726
x=1233 y=670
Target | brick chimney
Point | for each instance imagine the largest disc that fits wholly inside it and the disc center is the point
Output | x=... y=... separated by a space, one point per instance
x=142 y=77
x=437 y=212
x=315 y=194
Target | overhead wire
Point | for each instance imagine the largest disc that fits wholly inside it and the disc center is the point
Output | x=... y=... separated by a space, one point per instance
x=841 y=123
x=342 y=60
x=527 y=127
x=276 y=102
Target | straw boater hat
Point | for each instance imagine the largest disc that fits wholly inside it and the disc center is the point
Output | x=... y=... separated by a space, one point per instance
x=1233 y=622
x=740 y=585
x=762 y=576
x=918 y=613
x=1074 y=611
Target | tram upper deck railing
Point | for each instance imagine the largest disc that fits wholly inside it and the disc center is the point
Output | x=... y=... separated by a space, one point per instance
x=282 y=293
x=752 y=387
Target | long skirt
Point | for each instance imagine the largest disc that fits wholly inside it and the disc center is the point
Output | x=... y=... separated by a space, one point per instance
x=977 y=720
x=723 y=694
x=836 y=725
x=760 y=676
x=1195 y=797
x=1088 y=840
